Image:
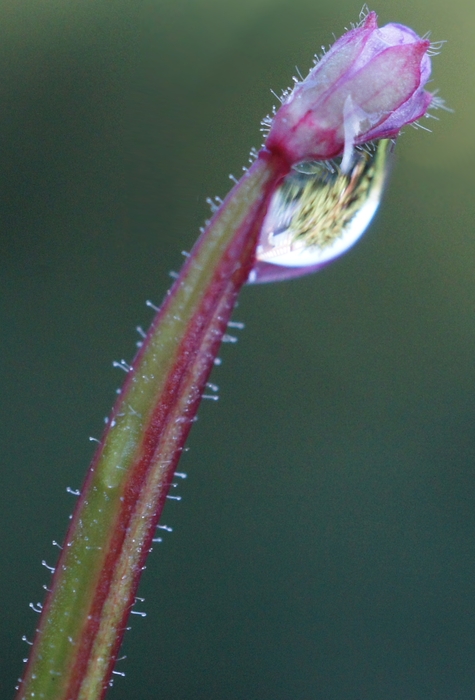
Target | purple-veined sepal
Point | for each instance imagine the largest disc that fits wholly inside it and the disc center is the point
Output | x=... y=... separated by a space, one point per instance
x=368 y=86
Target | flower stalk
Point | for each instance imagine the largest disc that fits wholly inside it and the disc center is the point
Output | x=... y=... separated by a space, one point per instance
x=96 y=578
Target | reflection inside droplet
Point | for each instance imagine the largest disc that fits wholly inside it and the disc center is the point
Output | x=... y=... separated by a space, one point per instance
x=318 y=212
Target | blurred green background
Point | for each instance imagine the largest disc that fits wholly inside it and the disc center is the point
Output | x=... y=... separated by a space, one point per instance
x=325 y=544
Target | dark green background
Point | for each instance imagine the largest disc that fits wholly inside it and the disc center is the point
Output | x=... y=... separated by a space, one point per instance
x=325 y=545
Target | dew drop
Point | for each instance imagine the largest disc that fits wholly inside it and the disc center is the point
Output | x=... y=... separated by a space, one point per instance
x=318 y=213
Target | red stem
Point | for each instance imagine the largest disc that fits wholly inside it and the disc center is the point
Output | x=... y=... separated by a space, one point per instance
x=93 y=593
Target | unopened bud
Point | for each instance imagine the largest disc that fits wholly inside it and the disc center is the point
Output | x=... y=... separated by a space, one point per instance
x=366 y=87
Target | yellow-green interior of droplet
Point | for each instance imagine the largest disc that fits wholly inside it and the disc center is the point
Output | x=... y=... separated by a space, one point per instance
x=317 y=207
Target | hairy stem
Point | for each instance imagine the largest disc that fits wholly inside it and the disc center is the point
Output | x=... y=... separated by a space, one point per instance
x=97 y=575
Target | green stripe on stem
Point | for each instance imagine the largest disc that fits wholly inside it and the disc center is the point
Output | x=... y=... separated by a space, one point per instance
x=94 y=585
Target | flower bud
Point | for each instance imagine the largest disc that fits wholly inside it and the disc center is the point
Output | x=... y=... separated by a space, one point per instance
x=366 y=87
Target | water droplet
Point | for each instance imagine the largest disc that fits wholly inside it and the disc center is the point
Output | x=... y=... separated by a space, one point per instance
x=318 y=213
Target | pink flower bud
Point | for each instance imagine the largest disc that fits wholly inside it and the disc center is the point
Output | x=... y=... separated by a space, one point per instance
x=368 y=86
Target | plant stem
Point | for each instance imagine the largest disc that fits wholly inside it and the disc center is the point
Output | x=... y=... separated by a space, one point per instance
x=97 y=575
